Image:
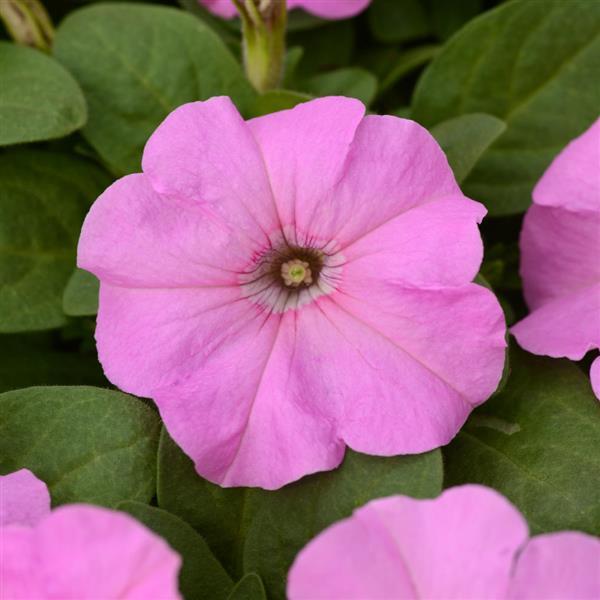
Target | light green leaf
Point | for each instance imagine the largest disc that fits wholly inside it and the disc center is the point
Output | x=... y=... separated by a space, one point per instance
x=135 y=64
x=43 y=199
x=87 y=444
x=276 y=100
x=394 y=21
x=535 y=66
x=464 y=139
x=81 y=294
x=352 y=82
x=250 y=587
x=216 y=512
x=39 y=99
x=284 y=521
x=537 y=443
x=201 y=575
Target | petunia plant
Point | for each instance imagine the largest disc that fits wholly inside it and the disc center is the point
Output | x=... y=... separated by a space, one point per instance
x=299 y=299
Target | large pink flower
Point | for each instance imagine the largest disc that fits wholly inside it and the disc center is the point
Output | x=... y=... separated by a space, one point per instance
x=288 y=285
x=77 y=551
x=326 y=9
x=469 y=543
x=560 y=256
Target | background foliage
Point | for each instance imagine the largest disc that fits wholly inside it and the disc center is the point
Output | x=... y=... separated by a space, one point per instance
x=503 y=86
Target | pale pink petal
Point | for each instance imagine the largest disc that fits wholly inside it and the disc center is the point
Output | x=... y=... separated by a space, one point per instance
x=87 y=552
x=568 y=326
x=392 y=166
x=595 y=376
x=304 y=149
x=460 y=545
x=19 y=570
x=134 y=237
x=249 y=416
x=24 y=499
x=433 y=244
x=205 y=153
x=560 y=252
x=331 y=9
x=151 y=338
x=561 y=566
x=573 y=179
x=222 y=8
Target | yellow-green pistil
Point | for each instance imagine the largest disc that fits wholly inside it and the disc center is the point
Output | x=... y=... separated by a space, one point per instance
x=296 y=272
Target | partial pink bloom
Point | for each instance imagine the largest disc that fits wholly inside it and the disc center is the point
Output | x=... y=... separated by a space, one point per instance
x=293 y=284
x=560 y=255
x=469 y=543
x=77 y=551
x=326 y=9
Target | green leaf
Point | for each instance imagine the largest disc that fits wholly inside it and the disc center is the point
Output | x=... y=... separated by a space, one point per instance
x=353 y=82
x=81 y=294
x=285 y=520
x=201 y=575
x=448 y=17
x=276 y=100
x=464 y=139
x=216 y=512
x=535 y=66
x=407 y=62
x=43 y=199
x=136 y=63
x=393 y=21
x=88 y=444
x=537 y=443
x=39 y=99
x=31 y=359
x=250 y=587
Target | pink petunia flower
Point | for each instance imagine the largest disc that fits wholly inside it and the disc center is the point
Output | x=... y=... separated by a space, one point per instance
x=469 y=543
x=288 y=285
x=560 y=257
x=77 y=551
x=326 y=9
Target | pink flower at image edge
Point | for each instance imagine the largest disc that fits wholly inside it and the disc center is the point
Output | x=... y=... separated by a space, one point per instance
x=560 y=257
x=326 y=9
x=469 y=543
x=293 y=284
x=77 y=551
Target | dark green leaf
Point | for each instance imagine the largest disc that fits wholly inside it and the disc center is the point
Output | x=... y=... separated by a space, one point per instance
x=394 y=21
x=448 y=17
x=136 y=63
x=537 y=443
x=88 y=444
x=217 y=513
x=39 y=99
x=353 y=82
x=276 y=100
x=81 y=294
x=464 y=139
x=43 y=199
x=201 y=575
x=250 y=587
x=535 y=66
x=285 y=520
x=407 y=62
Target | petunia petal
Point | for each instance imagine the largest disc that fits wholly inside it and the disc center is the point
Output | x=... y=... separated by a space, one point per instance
x=559 y=252
x=19 y=569
x=134 y=237
x=595 y=376
x=342 y=9
x=568 y=326
x=24 y=499
x=87 y=552
x=573 y=179
x=561 y=566
x=392 y=166
x=433 y=244
x=304 y=149
x=460 y=545
x=205 y=153
x=248 y=416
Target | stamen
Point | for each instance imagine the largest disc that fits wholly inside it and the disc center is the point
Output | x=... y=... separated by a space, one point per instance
x=296 y=272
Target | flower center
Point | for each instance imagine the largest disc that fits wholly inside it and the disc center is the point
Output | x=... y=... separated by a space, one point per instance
x=294 y=272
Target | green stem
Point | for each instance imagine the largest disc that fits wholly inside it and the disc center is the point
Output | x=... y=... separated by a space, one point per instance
x=263 y=27
x=28 y=23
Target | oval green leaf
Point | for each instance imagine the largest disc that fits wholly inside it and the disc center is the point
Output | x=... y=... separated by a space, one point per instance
x=250 y=587
x=80 y=298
